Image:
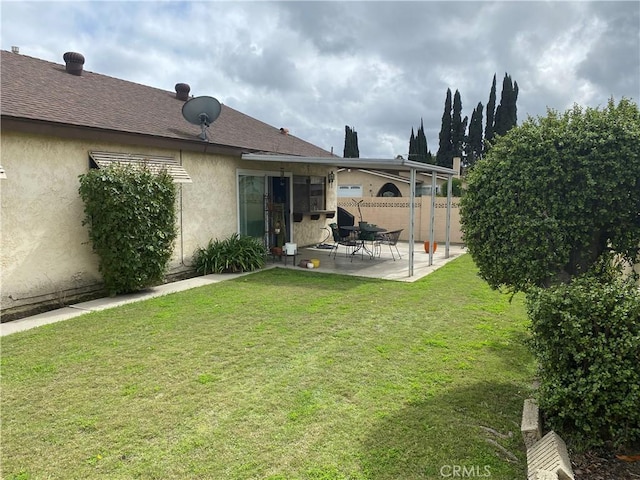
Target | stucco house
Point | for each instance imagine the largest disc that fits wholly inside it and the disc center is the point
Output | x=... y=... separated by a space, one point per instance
x=60 y=120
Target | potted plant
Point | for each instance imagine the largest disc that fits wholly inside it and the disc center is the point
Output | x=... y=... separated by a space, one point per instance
x=426 y=246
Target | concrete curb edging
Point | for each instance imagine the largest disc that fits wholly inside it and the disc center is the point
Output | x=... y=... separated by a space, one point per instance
x=547 y=457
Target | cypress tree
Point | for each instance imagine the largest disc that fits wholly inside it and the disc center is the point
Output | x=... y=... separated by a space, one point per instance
x=474 y=142
x=418 y=151
x=506 y=114
x=350 y=143
x=458 y=127
x=491 y=109
x=421 y=144
x=444 y=156
x=412 y=146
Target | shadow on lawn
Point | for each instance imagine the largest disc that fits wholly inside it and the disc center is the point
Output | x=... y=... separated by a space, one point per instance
x=476 y=427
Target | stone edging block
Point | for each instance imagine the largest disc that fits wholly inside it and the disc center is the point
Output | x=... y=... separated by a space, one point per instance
x=550 y=455
x=531 y=424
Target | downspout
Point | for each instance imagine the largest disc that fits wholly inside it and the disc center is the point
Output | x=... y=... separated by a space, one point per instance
x=181 y=223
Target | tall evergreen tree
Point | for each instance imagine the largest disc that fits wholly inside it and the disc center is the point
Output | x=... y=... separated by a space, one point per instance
x=491 y=111
x=506 y=113
x=421 y=144
x=458 y=127
x=413 y=152
x=418 y=146
x=350 y=143
x=444 y=156
x=474 y=140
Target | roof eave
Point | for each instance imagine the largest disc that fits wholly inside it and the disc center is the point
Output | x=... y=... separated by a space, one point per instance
x=67 y=130
x=399 y=164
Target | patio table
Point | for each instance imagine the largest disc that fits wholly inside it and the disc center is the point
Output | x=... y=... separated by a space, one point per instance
x=361 y=240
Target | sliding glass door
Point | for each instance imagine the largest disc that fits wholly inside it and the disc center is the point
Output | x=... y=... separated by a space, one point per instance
x=251 y=202
x=258 y=194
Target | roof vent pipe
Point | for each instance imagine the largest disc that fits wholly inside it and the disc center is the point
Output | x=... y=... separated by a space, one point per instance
x=182 y=91
x=74 y=62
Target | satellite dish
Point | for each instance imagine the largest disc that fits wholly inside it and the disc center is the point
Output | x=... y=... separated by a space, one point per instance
x=201 y=111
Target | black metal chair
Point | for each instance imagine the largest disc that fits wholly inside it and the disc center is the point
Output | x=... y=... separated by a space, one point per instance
x=390 y=239
x=339 y=238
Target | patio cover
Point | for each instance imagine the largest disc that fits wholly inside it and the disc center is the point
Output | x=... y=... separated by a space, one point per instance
x=392 y=164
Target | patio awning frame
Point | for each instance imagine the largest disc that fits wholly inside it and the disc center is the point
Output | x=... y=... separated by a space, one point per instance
x=394 y=164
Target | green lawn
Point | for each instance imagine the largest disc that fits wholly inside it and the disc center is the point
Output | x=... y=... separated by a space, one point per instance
x=282 y=374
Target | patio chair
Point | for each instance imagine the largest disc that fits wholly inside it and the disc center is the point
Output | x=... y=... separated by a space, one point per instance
x=339 y=238
x=390 y=239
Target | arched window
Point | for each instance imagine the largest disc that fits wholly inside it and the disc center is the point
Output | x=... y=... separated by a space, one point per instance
x=389 y=190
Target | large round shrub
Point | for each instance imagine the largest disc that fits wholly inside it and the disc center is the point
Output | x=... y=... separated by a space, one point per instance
x=130 y=213
x=553 y=195
x=586 y=337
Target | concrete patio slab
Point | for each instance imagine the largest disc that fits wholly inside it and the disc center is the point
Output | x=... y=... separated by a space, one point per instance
x=384 y=267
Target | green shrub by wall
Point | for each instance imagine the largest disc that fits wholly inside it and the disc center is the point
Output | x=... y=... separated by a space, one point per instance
x=237 y=253
x=131 y=218
x=586 y=336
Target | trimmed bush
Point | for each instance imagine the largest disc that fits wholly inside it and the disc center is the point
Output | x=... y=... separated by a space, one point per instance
x=555 y=194
x=131 y=218
x=237 y=253
x=586 y=336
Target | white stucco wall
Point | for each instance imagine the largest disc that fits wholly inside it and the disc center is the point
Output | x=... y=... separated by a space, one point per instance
x=209 y=204
x=45 y=255
x=44 y=247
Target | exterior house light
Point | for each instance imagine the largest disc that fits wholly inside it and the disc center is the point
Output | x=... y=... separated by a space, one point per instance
x=331 y=177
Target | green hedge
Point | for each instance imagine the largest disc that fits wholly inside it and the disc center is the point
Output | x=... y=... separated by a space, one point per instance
x=586 y=336
x=131 y=218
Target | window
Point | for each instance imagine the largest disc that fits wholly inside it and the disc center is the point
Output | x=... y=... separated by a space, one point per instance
x=425 y=190
x=350 y=191
x=309 y=193
x=389 y=190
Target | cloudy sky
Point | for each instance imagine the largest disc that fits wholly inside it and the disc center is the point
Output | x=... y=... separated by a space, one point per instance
x=380 y=67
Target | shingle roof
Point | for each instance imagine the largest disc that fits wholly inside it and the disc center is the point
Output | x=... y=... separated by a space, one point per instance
x=40 y=90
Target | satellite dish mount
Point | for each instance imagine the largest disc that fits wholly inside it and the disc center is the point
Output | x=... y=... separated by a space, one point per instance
x=201 y=111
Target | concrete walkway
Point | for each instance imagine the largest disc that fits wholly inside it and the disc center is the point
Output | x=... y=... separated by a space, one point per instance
x=383 y=267
x=71 y=311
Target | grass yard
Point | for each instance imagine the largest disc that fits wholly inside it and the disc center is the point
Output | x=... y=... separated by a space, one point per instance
x=282 y=374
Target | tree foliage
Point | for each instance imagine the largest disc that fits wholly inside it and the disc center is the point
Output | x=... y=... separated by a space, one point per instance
x=474 y=139
x=491 y=112
x=554 y=195
x=445 y=149
x=586 y=337
x=458 y=128
x=506 y=116
x=350 y=143
x=131 y=218
x=418 y=146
